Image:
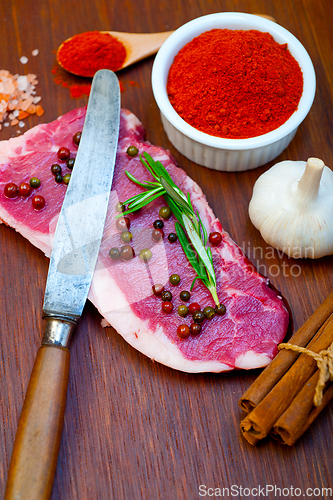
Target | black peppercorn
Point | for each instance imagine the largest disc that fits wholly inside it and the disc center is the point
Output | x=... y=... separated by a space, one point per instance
x=172 y=237
x=166 y=296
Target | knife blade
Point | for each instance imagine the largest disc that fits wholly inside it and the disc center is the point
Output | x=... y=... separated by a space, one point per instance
x=75 y=249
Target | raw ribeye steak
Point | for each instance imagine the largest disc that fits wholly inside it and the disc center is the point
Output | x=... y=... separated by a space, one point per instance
x=256 y=319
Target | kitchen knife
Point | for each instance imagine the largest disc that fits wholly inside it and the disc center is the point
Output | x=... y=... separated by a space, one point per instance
x=75 y=249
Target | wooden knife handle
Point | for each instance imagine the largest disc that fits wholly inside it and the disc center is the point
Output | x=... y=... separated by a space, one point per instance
x=37 y=442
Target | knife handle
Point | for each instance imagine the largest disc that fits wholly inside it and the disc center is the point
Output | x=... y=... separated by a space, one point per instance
x=37 y=441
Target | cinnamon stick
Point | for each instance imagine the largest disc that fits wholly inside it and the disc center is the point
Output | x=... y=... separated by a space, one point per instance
x=259 y=423
x=301 y=413
x=284 y=359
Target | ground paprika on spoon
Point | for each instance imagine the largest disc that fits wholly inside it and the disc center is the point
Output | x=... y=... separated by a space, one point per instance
x=235 y=84
x=88 y=52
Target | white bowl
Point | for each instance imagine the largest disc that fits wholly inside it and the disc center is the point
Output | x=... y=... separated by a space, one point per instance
x=215 y=152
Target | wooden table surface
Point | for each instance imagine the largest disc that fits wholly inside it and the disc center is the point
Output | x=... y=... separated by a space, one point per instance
x=134 y=428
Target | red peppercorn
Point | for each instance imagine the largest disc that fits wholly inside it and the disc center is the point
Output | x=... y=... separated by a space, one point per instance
x=24 y=189
x=38 y=202
x=157 y=234
x=63 y=153
x=11 y=190
x=157 y=289
x=167 y=307
x=194 y=307
x=123 y=223
x=183 y=331
x=195 y=328
x=127 y=252
x=215 y=238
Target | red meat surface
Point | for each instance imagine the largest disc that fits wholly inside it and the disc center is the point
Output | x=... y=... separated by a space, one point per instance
x=256 y=319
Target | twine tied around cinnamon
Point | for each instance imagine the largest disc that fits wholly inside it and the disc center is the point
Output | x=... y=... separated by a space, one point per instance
x=324 y=360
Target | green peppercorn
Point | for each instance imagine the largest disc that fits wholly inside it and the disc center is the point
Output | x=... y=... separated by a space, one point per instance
x=185 y=295
x=59 y=178
x=67 y=178
x=70 y=163
x=145 y=254
x=55 y=169
x=220 y=309
x=209 y=312
x=198 y=317
x=166 y=296
x=182 y=310
x=172 y=237
x=164 y=212
x=174 y=279
x=132 y=151
x=34 y=182
x=114 y=253
x=126 y=237
x=120 y=207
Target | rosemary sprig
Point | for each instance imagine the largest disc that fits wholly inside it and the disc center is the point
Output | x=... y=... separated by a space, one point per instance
x=191 y=232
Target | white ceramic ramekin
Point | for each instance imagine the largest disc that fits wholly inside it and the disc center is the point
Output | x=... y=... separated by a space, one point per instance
x=215 y=152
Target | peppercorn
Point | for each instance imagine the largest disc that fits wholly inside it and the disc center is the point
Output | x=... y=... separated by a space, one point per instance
x=209 y=312
x=172 y=237
x=70 y=163
x=185 y=295
x=157 y=234
x=34 y=182
x=126 y=236
x=63 y=153
x=55 y=169
x=67 y=178
x=198 y=316
x=24 y=189
x=164 y=212
x=158 y=289
x=195 y=328
x=59 y=178
x=158 y=224
x=166 y=296
x=77 y=138
x=11 y=190
x=220 y=309
x=215 y=238
x=127 y=252
x=174 y=279
x=114 y=253
x=194 y=307
x=167 y=307
x=144 y=254
x=183 y=331
x=120 y=207
x=123 y=223
x=182 y=310
x=38 y=202
x=132 y=151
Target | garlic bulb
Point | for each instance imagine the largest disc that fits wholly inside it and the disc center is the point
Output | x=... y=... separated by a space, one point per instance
x=292 y=207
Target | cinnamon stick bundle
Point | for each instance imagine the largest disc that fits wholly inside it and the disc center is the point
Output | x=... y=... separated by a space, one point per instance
x=280 y=401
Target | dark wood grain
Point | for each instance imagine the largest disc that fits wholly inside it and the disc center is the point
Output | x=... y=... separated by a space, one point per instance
x=134 y=428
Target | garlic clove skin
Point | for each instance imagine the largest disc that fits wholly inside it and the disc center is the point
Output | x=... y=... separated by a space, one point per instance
x=292 y=207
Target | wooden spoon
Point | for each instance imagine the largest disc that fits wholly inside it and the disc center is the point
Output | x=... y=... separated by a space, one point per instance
x=137 y=45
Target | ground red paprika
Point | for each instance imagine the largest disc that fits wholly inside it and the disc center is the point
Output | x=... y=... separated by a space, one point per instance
x=86 y=53
x=235 y=84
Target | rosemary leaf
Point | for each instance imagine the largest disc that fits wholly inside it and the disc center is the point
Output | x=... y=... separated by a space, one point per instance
x=197 y=243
